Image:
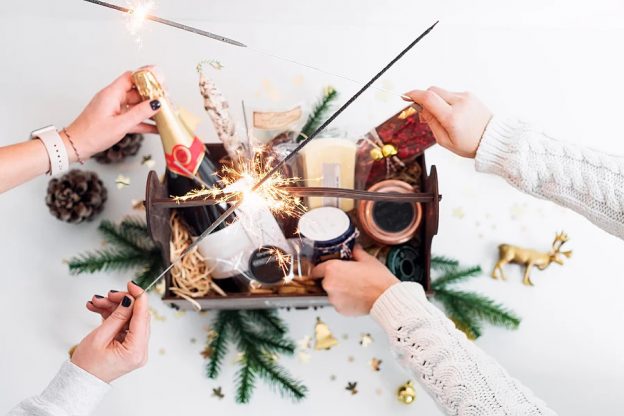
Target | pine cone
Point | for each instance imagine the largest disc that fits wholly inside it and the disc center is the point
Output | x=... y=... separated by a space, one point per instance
x=128 y=146
x=76 y=196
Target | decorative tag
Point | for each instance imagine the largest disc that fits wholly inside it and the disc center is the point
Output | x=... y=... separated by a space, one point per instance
x=184 y=160
x=275 y=120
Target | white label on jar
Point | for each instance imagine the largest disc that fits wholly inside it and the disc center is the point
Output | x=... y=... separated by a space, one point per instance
x=331 y=179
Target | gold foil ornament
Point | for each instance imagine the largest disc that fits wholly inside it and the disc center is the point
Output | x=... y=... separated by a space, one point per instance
x=406 y=393
x=324 y=339
x=387 y=150
x=529 y=258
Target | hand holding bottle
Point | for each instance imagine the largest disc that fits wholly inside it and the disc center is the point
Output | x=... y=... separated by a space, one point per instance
x=457 y=119
x=119 y=345
x=116 y=110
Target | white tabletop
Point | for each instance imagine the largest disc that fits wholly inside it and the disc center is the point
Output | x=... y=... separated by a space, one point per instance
x=558 y=63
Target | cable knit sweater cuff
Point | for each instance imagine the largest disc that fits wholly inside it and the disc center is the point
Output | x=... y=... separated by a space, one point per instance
x=74 y=390
x=498 y=144
x=398 y=302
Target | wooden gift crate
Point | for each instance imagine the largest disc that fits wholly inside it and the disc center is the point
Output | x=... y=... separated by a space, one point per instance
x=158 y=225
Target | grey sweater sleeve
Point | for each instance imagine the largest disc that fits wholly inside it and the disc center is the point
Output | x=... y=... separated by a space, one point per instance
x=72 y=392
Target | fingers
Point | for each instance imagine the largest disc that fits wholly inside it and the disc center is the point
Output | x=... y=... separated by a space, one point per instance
x=123 y=83
x=439 y=132
x=132 y=97
x=138 y=114
x=431 y=102
x=144 y=128
x=449 y=97
x=138 y=333
x=116 y=322
x=321 y=269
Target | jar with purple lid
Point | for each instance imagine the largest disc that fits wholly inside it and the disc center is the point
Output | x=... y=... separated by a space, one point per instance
x=327 y=233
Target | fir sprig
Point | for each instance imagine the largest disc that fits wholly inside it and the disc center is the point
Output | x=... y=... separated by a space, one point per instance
x=130 y=247
x=259 y=335
x=319 y=112
x=467 y=309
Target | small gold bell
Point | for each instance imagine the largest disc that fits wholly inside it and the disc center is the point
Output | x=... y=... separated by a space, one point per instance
x=406 y=393
x=389 y=150
x=324 y=339
x=376 y=153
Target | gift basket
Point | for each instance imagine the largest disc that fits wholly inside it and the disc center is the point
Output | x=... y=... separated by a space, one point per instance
x=333 y=194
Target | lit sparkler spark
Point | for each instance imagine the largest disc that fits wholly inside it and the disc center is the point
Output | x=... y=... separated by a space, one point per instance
x=136 y=16
x=282 y=259
x=238 y=180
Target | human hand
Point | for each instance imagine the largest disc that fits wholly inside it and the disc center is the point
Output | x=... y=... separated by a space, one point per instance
x=113 y=112
x=354 y=286
x=457 y=119
x=119 y=345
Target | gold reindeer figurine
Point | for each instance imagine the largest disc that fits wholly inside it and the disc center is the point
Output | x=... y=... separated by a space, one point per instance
x=518 y=255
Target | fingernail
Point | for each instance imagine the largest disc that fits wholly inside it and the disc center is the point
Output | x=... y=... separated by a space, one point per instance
x=406 y=98
x=90 y=302
x=126 y=301
x=155 y=104
x=98 y=297
x=113 y=291
x=135 y=283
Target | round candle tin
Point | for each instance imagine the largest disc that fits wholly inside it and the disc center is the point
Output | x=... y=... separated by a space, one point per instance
x=264 y=266
x=404 y=262
x=328 y=233
x=389 y=222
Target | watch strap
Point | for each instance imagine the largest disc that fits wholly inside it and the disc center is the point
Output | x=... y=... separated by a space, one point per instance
x=57 y=153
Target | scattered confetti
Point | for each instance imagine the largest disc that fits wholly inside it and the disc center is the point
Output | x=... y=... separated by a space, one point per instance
x=213 y=63
x=304 y=357
x=148 y=161
x=345 y=336
x=179 y=314
x=375 y=364
x=366 y=340
x=193 y=340
x=406 y=393
x=304 y=343
x=156 y=315
x=332 y=377
x=162 y=351
x=206 y=352
x=351 y=358
x=458 y=212
x=122 y=181
x=218 y=393
x=352 y=387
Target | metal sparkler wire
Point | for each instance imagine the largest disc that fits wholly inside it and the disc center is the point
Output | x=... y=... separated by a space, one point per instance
x=233 y=207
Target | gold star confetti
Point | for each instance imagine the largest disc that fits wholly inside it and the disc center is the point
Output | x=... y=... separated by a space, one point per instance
x=218 y=393
x=366 y=340
x=352 y=387
x=156 y=315
x=138 y=204
x=122 y=181
x=148 y=161
x=458 y=212
x=351 y=358
x=304 y=343
x=375 y=364
x=304 y=357
x=179 y=314
x=206 y=352
x=162 y=351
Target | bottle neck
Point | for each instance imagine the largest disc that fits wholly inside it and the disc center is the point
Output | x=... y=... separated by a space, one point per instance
x=184 y=152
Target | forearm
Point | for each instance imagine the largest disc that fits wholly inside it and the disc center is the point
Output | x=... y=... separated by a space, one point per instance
x=73 y=392
x=459 y=376
x=584 y=180
x=24 y=161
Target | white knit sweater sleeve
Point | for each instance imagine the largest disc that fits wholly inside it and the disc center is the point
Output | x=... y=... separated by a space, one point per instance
x=73 y=392
x=584 y=180
x=459 y=376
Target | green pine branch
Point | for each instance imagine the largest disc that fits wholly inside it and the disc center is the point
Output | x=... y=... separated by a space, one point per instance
x=455 y=275
x=444 y=264
x=105 y=260
x=150 y=272
x=267 y=319
x=319 y=113
x=246 y=380
x=218 y=344
x=279 y=378
x=126 y=236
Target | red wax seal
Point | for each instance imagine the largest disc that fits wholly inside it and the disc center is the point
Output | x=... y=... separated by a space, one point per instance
x=185 y=160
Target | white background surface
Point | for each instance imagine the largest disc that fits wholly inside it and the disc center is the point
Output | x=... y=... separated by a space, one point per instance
x=556 y=62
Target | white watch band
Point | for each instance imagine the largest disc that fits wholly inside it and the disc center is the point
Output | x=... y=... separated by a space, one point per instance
x=57 y=153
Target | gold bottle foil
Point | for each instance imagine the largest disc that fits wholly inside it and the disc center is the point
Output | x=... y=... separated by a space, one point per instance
x=183 y=151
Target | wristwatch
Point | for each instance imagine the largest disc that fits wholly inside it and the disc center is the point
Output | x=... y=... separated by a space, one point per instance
x=57 y=153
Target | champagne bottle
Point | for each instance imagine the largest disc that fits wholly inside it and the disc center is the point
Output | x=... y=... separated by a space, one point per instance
x=189 y=167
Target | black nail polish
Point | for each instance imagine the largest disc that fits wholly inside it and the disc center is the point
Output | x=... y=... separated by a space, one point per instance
x=98 y=297
x=135 y=283
x=113 y=291
x=155 y=104
x=90 y=302
x=126 y=301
